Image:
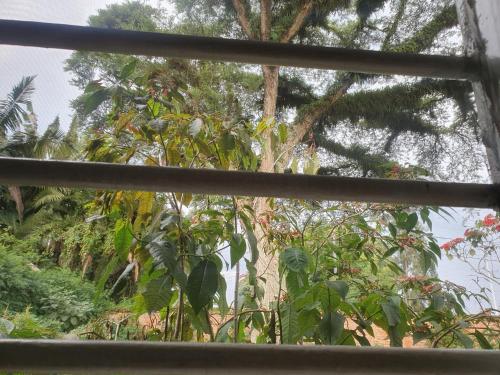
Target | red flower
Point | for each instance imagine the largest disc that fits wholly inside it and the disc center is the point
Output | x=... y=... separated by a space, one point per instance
x=489 y=220
x=446 y=246
x=454 y=242
x=497 y=227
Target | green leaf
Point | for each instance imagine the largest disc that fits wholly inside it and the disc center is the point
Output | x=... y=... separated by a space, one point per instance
x=227 y=142
x=164 y=254
x=126 y=272
x=289 y=324
x=435 y=248
x=393 y=230
x=391 y=251
x=252 y=240
x=340 y=287
x=237 y=247
x=202 y=284
x=410 y=222
x=222 y=334
x=295 y=259
x=464 y=339
x=437 y=302
x=6 y=327
x=94 y=99
x=391 y=311
x=363 y=341
x=128 y=69
x=283 y=132
x=158 y=294
x=123 y=238
x=483 y=342
x=295 y=283
x=331 y=327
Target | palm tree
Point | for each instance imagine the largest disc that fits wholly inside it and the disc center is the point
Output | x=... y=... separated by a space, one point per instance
x=17 y=107
x=19 y=137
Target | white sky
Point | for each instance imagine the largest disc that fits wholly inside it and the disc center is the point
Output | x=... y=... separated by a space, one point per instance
x=53 y=94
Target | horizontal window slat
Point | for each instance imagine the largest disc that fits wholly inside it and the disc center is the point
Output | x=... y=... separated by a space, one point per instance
x=37 y=34
x=31 y=172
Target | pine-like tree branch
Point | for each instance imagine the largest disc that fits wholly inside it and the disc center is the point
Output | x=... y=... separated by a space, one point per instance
x=240 y=7
x=394 y=25
x=309 y=119
x=424 y=37
x=298 y=21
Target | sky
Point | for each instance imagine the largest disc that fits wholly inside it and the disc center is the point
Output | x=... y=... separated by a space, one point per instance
x=53 y=94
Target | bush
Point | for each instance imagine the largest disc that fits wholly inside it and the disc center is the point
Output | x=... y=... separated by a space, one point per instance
x=26 y=325
x=55 y=294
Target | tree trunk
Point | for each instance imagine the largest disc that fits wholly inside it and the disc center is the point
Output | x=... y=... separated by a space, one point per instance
x=267 y=264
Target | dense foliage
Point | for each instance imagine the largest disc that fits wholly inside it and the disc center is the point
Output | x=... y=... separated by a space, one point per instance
x=322 y=272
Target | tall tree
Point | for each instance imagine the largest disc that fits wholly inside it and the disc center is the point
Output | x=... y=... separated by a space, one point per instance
x=349 y=123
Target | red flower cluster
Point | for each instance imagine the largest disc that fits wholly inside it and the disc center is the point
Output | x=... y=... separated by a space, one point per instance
x=450 y=244
x=490 y=220
x=412 y=279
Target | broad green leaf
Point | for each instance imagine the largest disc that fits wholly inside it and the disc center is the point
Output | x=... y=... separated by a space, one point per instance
x=391 y=311
x=464 y=339
x=419 y=336
x=435 y=248
x=339 y=286
x=221 y=296
x=483 y=341
x=295 y=259
x=411 y=221
x=222 y=334
x=164 y=254
x=295 y=283
x=123 y=238
x=128 y=69
x=331 y=327
x=158 y=294
x=93 y=100
x=202 y=284
x=289 y=324
x=237 y=248
x=437 y=302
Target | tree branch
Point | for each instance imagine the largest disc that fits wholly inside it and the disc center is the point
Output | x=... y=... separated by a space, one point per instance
x=265 y=19
x=307 y=121
x=394 y=26
x=240 y=7
x=298 y=22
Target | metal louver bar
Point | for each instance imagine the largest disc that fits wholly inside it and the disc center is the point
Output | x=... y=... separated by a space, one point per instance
x=49 y=35
x=15 y=171
x=169 y=358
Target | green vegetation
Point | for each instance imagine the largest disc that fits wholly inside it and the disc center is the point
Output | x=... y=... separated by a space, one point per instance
x=151 y=266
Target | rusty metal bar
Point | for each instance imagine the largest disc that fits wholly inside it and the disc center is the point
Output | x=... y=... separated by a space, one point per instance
x=22 y=172
x=49 y=35
x=90 y=357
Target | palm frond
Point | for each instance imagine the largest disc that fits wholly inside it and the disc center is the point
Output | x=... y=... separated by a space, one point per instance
x=49 y=195
x=11 y=109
